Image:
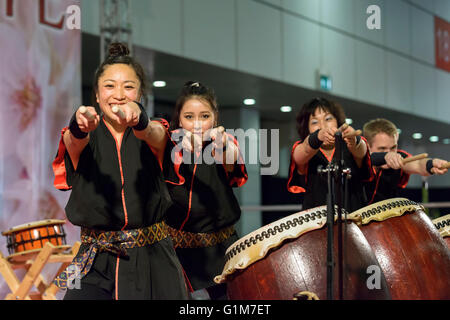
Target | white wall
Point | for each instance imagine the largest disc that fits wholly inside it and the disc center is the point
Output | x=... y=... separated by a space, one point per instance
x=289 y=40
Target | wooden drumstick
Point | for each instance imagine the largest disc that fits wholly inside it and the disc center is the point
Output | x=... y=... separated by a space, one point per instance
x=84 y=111
x=119 y=112
x=343 y=127
x=353 y=134
x=414 y=158
x=446 y=165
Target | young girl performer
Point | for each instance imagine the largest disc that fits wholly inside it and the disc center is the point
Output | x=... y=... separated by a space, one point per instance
x=201 y=167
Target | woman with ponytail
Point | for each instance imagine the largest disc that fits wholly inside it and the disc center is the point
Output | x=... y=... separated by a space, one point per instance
x=118 y=193
x=205 y=210
x=201 y=164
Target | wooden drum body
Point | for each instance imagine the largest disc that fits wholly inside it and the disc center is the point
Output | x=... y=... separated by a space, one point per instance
x=289 y=256
x=28 y=239
x=442 y=224
x=413 y=255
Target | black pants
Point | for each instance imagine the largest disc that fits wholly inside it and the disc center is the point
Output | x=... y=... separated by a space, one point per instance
x=89 y=292
x=218 y=292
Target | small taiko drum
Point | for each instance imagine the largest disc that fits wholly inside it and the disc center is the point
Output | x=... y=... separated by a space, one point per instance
x=28 y=239
x=442 y=224
x=287 y=259
x=413 y=255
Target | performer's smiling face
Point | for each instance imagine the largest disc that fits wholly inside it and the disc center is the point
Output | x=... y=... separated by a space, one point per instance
x=117 y=85
x=197 y=116
x=321 y=119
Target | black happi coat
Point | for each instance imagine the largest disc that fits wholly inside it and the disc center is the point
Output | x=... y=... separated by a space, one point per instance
x=117 y=188
x=315 y=185
x=203 y=202
x=387 y=182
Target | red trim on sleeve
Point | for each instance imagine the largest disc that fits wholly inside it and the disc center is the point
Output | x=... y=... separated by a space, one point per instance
x=157 y=158
x=178 y=155
x=165 y=124
x=404 y=177
x=368 y=160
x=407 y=154
x=59 y=165
x=239 y=180
x=178 y=161
x=293 y=188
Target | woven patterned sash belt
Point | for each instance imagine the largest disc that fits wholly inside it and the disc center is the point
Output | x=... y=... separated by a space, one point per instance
x=113 y=241
x=185 y=239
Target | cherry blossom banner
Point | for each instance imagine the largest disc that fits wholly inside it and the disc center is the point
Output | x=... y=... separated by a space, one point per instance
x=40 y=86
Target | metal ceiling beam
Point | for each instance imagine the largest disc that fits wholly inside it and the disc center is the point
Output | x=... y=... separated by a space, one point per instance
x=115 y=24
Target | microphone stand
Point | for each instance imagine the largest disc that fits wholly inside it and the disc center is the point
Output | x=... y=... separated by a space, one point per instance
x=336 y=200
x=342 y=176
x=339 y=152
x=329 y=170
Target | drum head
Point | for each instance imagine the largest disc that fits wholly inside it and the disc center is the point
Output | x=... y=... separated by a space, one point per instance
x=386 y=209
x=257 y=244
x=34 y=224
x=443 y=225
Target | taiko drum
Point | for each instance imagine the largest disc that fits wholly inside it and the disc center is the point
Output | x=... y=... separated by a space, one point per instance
x=413 y=255
x=287 y=259
x=33 y=236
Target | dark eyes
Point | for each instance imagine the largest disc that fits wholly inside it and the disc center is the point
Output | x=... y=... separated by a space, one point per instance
x=204 y=116
x=112 y=86
x=329 y=118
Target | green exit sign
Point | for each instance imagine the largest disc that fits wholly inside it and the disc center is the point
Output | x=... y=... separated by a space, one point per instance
x=325 y=83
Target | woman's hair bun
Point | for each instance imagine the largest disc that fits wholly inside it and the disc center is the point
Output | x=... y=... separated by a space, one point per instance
x=118 y=49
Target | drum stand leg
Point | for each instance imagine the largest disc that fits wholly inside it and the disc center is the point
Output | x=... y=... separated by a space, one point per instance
x=33 y=273
x=50 y=291
x=21 y=290
x=8 y=273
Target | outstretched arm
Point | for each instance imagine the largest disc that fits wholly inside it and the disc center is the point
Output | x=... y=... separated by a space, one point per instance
x=355 y=145
x=426 y=167
x=76 y=138
x=309 y=147
x=153 y=133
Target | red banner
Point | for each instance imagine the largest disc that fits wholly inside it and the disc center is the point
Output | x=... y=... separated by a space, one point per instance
x=442 y=43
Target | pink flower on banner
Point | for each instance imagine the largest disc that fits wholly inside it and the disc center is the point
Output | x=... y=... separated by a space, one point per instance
x=24 y=78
